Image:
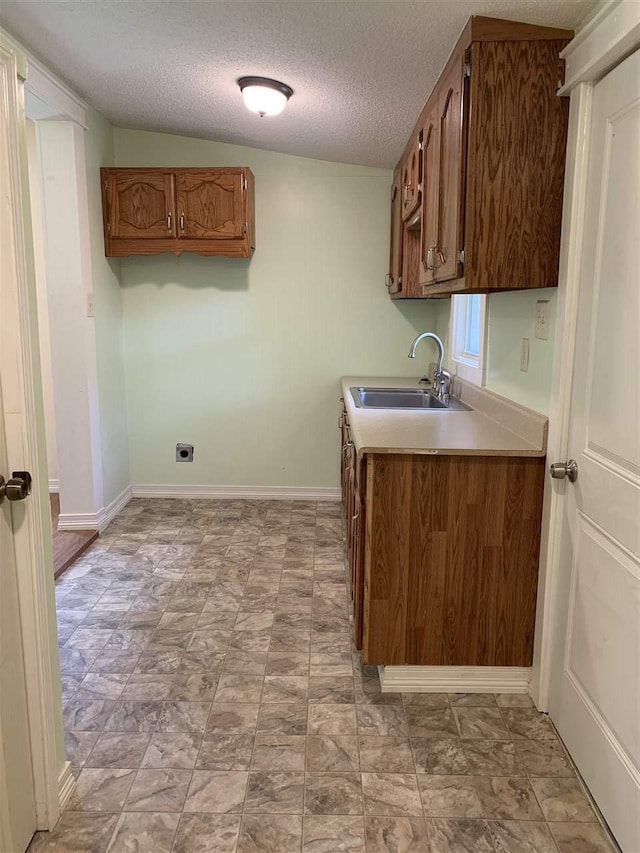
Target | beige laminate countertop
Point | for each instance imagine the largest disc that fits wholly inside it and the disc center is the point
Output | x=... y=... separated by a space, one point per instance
x=495 y=426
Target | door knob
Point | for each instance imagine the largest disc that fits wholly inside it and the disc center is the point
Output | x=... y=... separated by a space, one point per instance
x=17 y=488
x=560 y=470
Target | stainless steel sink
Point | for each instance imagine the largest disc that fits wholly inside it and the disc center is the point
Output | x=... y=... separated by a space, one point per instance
x=403 y=398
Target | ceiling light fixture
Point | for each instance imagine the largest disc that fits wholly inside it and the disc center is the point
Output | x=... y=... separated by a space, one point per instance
x=264 y=96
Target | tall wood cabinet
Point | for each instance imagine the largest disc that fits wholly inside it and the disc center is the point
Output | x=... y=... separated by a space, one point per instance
x=205 y=211
x=487 y=210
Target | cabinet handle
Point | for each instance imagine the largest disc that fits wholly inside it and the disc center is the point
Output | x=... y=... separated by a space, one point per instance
x=182 y=221
x=169 y=222
x=442 y=258
x=388 y=281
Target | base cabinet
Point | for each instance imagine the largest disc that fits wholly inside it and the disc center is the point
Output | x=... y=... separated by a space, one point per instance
x=443 y=558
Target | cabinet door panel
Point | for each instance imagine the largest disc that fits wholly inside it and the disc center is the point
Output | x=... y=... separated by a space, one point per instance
x=412 y=178
x=430 y=169
x=394 y=279
x=142 y=204
x=451 y=172
x=211 y=205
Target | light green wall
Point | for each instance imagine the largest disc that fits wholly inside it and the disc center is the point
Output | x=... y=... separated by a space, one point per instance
x=511 y=318
x=107 y=297
x=242 y=358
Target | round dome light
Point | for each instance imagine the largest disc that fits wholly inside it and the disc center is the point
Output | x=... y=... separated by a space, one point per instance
x=264 y=96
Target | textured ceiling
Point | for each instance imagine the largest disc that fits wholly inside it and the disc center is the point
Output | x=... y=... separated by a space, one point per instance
x=361 y=69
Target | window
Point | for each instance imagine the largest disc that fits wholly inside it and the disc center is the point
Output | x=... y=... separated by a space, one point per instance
x=468 y=337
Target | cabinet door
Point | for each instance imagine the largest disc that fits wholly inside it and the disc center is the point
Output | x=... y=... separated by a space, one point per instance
x=394 y=277
x=412 y=178
x=211 y=204
x=450 y=211
x=141 y=204
x=430 y=170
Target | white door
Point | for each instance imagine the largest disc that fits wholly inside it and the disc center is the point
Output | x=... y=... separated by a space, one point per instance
x=17 y=798
x=17 y=803
x=595 y=698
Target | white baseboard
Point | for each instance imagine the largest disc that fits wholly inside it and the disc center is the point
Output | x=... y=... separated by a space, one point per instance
x=107 y=513
x=283 y=493
x=54 y=487
x=454 y=679
x=95 y=520
x=78 y=521
x=66 y=786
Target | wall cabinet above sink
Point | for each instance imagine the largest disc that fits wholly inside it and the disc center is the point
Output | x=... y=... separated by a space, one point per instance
x=204 y=211
x=488 y=156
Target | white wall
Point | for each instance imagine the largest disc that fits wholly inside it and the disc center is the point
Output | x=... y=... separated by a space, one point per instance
x=107 y=303
x=35 y=193
x=242 y=358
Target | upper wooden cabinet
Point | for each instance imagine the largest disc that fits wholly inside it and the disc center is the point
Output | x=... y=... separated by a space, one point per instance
x=493 y=138
x=394 y=276
x=205 y=211
x=412 y=177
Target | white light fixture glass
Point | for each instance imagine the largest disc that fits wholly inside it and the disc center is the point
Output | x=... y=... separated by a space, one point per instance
x=264 y=96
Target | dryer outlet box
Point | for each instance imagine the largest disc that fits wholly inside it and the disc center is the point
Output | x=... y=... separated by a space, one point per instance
x=184 y=452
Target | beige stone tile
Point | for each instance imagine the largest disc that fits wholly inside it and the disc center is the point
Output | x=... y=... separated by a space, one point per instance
x=158 y=791
x=332 y=753
x=276 y=792
x=177 y=751
x=332 y=719
x=563 y=800
x=265 y=832
x=206 y=833
x=333 y=794
x=391 y=794
x=397 y=834
x=278 y=752
x=581 y=838
x=463 y=836
x=101 y=790
x=521 y=836
x=481 y=723
x=333 y=834
x=216 y=791
x=386 y=754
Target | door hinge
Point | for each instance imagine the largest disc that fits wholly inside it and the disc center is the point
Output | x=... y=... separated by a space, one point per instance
x=244 y=183
x=461 y=256
x=467 y=69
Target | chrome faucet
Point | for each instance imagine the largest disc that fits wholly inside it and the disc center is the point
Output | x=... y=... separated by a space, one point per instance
x=441 y=377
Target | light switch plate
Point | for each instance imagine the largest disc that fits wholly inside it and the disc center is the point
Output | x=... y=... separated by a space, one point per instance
x=542 y=319
x=524 y=355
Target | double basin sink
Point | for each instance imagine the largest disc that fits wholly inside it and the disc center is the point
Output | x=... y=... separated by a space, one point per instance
x=404 y=398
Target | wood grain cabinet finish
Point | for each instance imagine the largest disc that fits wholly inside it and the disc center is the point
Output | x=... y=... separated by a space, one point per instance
x=494 y=137
x=443 y=559
x=394 y=276
x=412 y=177
x=204 y=211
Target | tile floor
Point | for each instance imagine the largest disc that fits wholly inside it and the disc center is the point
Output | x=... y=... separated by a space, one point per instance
x=213 y=702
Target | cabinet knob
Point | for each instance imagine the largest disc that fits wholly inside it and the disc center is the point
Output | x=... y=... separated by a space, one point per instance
x=169 y=224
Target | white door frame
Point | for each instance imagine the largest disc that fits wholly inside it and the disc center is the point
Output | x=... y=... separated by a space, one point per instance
x=53 y=781
x=61 y=150
x=607 y=39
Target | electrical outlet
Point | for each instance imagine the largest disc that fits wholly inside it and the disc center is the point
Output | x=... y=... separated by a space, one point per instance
x=184 y=452
x=542 y=319
x=524 y=355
